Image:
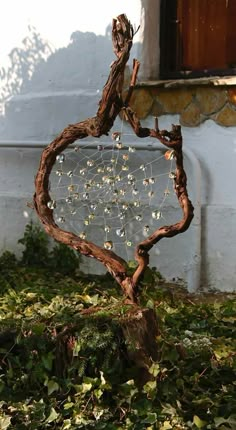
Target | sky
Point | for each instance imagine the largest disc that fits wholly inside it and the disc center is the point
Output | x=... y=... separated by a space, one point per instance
x=56 y=20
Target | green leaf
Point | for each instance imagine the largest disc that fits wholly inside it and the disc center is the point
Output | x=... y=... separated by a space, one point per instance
x=150 y=419
x=86 y=387
x=52 y=416
x=166 y=426
x=154 y=369
x=198 y=422
x=5 y=422
x=52 y=386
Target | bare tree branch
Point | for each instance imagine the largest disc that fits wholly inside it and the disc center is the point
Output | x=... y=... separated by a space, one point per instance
x=110 y=105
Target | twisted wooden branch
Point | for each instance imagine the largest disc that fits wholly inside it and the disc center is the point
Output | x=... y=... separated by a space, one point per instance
x=109 y=107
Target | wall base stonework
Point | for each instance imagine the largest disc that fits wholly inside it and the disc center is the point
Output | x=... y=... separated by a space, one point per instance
x=195 y=104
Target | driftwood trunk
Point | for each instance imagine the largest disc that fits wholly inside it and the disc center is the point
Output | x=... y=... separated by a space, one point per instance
x=111 y=104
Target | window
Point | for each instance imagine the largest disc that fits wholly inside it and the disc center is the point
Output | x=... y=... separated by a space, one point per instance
x=197 y=38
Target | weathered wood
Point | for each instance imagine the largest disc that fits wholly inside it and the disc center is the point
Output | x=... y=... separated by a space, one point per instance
x=110 y=106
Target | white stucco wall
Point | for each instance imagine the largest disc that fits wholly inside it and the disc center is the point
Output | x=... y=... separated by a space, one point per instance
x=66 y=89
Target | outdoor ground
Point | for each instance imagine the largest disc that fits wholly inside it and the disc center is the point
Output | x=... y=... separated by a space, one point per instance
x=87 y=381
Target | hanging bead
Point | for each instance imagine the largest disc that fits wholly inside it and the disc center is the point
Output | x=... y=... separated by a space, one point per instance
x=82 y=235
x=70 y=173
x=135 y=191
x=116 y=136
x=170 y=154
x=83 y=171
x=71 y=188
x=125 y=157
x=90 y=163
x=100 y=170
x=172 y=175
x=59 y=172
x=128 y=243
x=137 y=203
x=73 y=211
x=142 y=167
x=146 y=182
x=119 y=145
x=51 y=204
x=75 y=196
x=108 y=244
x=151 y=180
x=120 y=232
x=109 y=169
x=113 y=160
x=93 y=206
x=150 y=193
x=121 y=215
x=107 y=210
x=107 y=228
x=100 y=147
x=86 y=221
x=132 y=149
x=61 y=219
x=146 y=229
x=156 y=214
x=125 y=207
x=69 y=200
x=85 y=196
x=91 y=215
x=125 y=168
x=87 y=186
x=166 y=192
x=139 y=217
x=60 y=158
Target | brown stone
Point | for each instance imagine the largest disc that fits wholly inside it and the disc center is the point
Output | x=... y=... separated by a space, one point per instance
x=157 y=109
x=210 y=100
x=191 y=117
x=174 y=100
x=141 y=102
x=226 y=117
x=232 y=95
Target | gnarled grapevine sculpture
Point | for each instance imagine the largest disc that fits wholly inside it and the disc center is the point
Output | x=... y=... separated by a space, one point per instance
x=110 y=105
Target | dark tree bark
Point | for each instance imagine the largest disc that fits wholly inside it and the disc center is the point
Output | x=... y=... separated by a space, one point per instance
x=110 y=105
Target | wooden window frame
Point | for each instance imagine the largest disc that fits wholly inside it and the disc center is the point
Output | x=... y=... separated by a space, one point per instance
x=170 y=51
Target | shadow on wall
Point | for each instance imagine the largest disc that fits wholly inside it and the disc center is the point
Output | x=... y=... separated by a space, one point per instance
x=52 y=89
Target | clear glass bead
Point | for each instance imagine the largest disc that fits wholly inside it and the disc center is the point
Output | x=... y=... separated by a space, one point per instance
x=85 y=196
x=90 y=163
x=61 y=219
x=91 y=216
x=86 y=221
x=60 y=158
x=82 y=235
x=128 y=243
x=69 y=200
x=138 y=217
x=76 y=196
x=107 y=210
x=108 y=244
x=70 y=173
x=116 y=136
x=135 y=191
x=156 y=214
x=146 y=182
x=172 y=175
x=125 y=168
x=132 y=149
x=99 y=147
x=137 y=203
x=59 y=172
x=120 y=232
x=71 y=188
x=119 y=145
x=125 y=157
x=107 y=228
x=51 y=204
